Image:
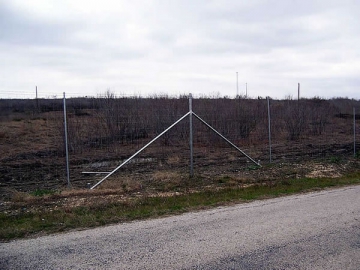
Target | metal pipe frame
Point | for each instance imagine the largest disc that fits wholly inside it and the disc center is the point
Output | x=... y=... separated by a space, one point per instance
x=190 y=113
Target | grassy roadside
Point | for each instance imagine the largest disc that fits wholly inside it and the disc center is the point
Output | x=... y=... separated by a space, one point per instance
x=27 y=224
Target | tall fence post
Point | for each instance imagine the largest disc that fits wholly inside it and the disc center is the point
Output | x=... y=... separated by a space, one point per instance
x=354 y=132
x=66 y=144
x=191 y=137
x=269 y=126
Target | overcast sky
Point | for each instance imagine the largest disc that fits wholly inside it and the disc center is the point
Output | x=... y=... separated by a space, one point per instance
x=178 y=47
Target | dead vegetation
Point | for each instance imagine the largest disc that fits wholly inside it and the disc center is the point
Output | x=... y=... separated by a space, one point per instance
x=311 y=138
x=167 y=184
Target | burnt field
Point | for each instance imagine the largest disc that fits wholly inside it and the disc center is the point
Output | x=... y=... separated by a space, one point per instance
x=310 y=138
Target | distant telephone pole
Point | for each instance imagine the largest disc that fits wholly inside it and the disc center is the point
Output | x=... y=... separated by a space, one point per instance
x=36 y=98
x=237 y=84
x=298 y=91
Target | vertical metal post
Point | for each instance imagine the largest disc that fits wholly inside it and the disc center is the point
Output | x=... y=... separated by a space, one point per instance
x=269 y=120
x=354 y=132
x=66 y=145
x=191 y=137
x=298 y=91
x=237 y=84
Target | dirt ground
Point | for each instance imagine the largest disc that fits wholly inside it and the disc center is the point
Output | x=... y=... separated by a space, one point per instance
x=125 y=188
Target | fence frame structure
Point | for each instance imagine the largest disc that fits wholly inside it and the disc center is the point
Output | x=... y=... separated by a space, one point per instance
x=190 y=113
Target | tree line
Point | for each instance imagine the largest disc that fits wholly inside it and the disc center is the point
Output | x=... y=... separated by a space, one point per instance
x=102 y=121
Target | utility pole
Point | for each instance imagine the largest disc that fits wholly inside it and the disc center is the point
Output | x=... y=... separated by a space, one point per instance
x=298 y=91
x=237 y=84
x=37 y=100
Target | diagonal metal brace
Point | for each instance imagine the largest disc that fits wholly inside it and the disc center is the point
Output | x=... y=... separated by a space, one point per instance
x=138 y=152
x=229 y=142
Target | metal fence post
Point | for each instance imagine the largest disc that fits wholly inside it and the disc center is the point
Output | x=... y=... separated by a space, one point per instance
x=66 y=145
x=269 y=120
x=354 y=132
x=191 y=137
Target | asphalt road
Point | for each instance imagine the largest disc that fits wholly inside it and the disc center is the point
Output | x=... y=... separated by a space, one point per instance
x=319 y=230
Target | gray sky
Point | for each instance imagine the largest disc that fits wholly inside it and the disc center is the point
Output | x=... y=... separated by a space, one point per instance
x=84 y=47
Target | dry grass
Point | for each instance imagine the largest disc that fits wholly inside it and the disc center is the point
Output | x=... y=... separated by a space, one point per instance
x=83 y=212
x=233 y=157
x=18 y=196
x=30 y=135
x=167 y=180
x=123 y=184
x=166 y=176
x=173 y=160
x=75 y=192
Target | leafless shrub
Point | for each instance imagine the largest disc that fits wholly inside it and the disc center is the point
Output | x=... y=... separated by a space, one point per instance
x=295 y=118
x=320 y=112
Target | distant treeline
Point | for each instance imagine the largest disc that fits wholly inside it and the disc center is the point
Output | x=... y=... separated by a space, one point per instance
x=9 y=106
x=99 y=122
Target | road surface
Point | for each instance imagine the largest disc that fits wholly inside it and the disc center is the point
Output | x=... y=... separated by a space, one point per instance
x=319 y=230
